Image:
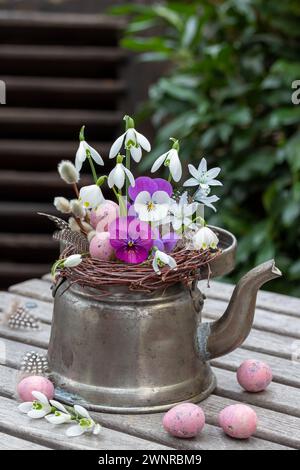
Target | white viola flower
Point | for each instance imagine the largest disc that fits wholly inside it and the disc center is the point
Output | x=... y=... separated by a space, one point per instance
x=60 y=415
x=134 y=142
x=152 y=208
x=202 y=196
x=171 y=160
x=72 y=261
x=91 y=196
x=38 y=408
x=161 y=259
x=81 y=155
x=202 y=177
x=84 y=423
x=118 y=175
x=205 y=238
x=181 y=213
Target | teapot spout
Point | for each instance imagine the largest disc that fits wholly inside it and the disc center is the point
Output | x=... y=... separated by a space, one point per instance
x=229 y=332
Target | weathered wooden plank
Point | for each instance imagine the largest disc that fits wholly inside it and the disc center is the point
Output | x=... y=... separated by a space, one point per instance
x=35 y=288
x=42 y=432
x=277 y=397
x=284 y=371
x=272 y=426
x=47 y=277
x=149 y=426
x=272 y=301
x=264 y=320
x=41 y=310
x=8 y=442
x=39 y=338
x=11 y=352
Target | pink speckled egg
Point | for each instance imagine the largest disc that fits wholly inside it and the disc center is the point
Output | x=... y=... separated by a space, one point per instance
x=254 y=376
x=238 y=421
x=35 y=383
x=100 y=246
x=104 y=215
x=184 y=420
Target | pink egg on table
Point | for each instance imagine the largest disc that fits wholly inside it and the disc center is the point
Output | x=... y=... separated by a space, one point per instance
x=104 y=215
x=100 y=247
x=239 y=421
x=184 y=420
x=35 y=383
x=254 y=376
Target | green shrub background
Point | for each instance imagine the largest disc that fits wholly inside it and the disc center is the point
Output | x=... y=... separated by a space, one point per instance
x=226 y=93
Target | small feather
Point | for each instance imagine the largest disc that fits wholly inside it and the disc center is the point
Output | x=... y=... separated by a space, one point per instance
x=62 y=224
x=75 y=239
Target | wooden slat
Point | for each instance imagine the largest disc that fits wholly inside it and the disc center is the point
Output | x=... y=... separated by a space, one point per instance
x=35 y=288
x=11 y=352
x=39 y=338
x=277 y=303
x=8 y=442
x=40 y=431
x=41 y=310
x=12 y=272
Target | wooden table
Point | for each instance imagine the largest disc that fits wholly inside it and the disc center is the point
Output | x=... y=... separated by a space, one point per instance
x=275 y=338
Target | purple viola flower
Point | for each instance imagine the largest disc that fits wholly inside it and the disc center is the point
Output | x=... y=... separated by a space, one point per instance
x=166 y=242
x=151 y=185
x=131 y=238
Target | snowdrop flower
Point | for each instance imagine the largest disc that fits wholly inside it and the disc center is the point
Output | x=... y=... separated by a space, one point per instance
x=38 y=408
x=201 y=177
x=202 y=196
x=134 y=142
x=62 y=205
x=117 y=176
x=205 y=238
x=85 y=150
x=60 y=415
x=72 y=261
x=152 y=208
x=171 y=160
x=161 y=259
x=91 y=196
x=68 y=172
x=181 y=213
x=84 y=423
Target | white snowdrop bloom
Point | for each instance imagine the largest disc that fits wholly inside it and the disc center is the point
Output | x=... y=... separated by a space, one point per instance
x=161 y=259
x=202 y=177
x=38 y=408
x=205 y=238
x=72 y=261
x=133 y=141
x=152 y=208
x=91 y=196
x=181 y=213
x=117 y=176
x=172 y=161
x=84 y=423
x=60 y=415
x=81 y=155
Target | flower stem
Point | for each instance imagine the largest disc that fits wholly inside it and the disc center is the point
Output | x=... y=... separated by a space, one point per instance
x=170 y=178
x=119 y=197
x=76 y=190
x=128 y=168
x=92 y=166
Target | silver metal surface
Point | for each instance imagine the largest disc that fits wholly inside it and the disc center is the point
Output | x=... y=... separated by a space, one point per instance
x=138 y=352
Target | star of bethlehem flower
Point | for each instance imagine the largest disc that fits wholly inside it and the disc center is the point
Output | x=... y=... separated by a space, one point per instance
x=202 y=196
x=181 y=213
x=117 y=176
x=205 y=238
x=60 y=415
x=171 y=160
x=85 y=150
x=84 y=423
x=133 y=141
x=161 y=259
x=91 y=196
x=152 y=208
x=202 y=177
x=38 y=408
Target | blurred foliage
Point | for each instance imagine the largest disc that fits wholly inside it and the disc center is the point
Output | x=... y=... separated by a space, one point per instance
x=226 y=92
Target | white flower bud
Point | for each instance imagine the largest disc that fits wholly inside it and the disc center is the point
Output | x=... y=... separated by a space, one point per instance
x=205 y=238
x=62 y=205
x=77 y=209
x=72 y=261
x=68 y=172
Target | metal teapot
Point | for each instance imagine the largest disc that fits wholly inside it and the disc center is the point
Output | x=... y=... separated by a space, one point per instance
x=138 y=352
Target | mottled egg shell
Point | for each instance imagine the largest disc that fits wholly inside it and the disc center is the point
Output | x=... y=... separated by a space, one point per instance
x=100 y=247
x=184 y=420
x=104 y=215
x=254 y=376
x=239 y=421
x=35 y=383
